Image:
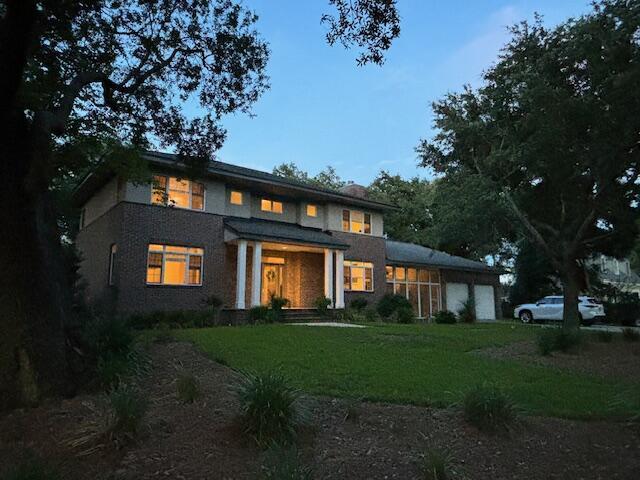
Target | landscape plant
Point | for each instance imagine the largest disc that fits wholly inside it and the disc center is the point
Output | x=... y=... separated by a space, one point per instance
x=358 y=304
x=389 y=303
x=259 y=314
x=445 y=317
x=188 y=387
x=271 y=408
x=436 y=464
x=467 y=313
x=489 y=409
x=322 y=304
x=553 y=339
x=127 y=408
x=284 y=463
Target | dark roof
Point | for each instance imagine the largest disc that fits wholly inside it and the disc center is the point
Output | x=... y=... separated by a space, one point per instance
x=242 y=176
x=412 y=254
x=257 y=229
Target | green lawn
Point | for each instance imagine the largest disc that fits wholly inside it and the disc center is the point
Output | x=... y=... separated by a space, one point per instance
x=412 y=364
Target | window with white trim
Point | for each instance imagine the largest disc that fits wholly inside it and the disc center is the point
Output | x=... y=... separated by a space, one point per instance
x=358 y=276
x=267 y=205
x=235 y=198
x=420 y=286
x=177 y=192
x=312 y=210
x=174 y=265
x=355 y=221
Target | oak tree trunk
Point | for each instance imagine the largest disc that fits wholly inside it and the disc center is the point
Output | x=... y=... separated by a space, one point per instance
x=571 y=285
x=35 y=295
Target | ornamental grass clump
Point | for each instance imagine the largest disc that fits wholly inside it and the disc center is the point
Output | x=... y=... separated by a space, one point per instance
x=557 y=339
x=489 y=409
x=270 y=408
x=631 y=334
x=284 y=463
x=128 y=406
x=188 y=387
x=436 y=464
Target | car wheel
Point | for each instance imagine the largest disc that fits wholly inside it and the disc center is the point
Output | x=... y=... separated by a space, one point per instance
x=526 y=317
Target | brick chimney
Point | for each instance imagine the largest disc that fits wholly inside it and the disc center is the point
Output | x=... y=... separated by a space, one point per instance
x=354 y=190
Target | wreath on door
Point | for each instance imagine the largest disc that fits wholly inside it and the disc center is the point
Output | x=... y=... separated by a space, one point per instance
x=271 y=275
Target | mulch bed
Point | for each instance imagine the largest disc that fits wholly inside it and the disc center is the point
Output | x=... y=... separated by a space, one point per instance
x=617 y=359
x=203 y=440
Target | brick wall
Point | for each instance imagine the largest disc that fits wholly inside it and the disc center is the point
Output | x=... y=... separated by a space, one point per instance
x=368 y=249
x=144 y=224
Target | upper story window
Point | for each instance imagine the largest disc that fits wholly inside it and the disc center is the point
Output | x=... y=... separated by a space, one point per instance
x=312 y=210
x=235 y=198
x=272 y=206
x=173 y=265
x=358 y=276
x=356 y=221
x=177 y=192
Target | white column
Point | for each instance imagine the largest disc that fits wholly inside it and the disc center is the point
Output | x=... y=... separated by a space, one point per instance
x=256 y=274
x=328 y=275
x=339 y=279
x=241 y=274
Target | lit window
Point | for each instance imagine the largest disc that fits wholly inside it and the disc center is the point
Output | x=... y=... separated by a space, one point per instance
x=235 y=198
x=312 y=210
x=356 y=222
x=358 y=276
x=177 y=192
x=420 y=286
x=272 y=206
x=112 y=262
x=172 y=265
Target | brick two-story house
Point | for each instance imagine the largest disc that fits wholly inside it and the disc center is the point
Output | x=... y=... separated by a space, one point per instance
x=243 y=235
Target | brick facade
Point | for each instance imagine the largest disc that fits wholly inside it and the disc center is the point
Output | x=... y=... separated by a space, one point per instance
x=132 y=226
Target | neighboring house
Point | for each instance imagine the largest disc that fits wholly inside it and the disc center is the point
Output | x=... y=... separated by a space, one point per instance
x=618 y=273
x=243 y=235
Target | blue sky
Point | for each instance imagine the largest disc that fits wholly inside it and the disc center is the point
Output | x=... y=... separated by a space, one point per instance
x=322 y=109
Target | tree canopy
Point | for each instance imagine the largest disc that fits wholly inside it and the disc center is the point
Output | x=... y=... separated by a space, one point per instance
x=327 y=178
x=554 y=132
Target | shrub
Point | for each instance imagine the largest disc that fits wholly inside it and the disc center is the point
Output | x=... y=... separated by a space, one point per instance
x=174 y=319
x=371 y=315
x=467 y=313
x=624 y=312
x=32 y=468
x=488 y=408
x=630 y=334
x=276 y=304
x=436 y=464
x=350 y=315
x=162 y=334
x=554 y=339
x=107 y=336
x=259 y=314
x=214 y=302
x=270 y=408
x=444 y=317
x=128 y=407
x=188 y=387
x=604 y=336
x=359 y=304
x=403 y=315
x=322 y=305
x=390 y=303
x=283 y=463
x=113 y=367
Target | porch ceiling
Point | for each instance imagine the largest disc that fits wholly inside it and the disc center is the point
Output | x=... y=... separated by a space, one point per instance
x=280 y=232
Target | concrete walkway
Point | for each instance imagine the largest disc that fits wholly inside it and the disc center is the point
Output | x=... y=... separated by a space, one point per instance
x=328 y=324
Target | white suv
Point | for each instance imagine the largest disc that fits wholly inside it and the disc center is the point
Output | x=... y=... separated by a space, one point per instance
x=551 y=308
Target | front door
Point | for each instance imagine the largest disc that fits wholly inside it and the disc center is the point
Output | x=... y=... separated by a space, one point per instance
x=271 y=281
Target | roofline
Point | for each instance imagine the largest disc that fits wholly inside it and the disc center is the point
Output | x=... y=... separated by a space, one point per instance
x=486 y=269
x=167 y=160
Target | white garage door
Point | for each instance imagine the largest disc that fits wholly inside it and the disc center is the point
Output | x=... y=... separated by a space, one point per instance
x=485 y=303
x=457 y=294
